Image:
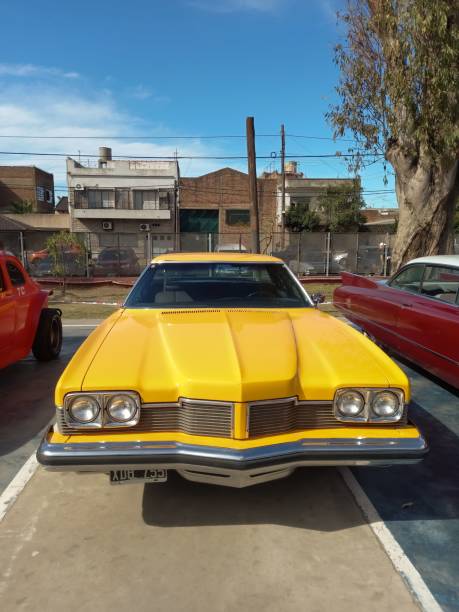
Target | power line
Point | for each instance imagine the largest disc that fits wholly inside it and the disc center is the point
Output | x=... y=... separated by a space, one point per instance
x=201 y=157
x=160 y=137
x=235 y=191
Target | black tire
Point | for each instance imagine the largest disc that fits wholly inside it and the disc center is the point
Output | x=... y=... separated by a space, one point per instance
x=48 y=338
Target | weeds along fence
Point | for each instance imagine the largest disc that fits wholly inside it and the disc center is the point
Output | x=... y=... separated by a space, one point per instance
x=108 y=253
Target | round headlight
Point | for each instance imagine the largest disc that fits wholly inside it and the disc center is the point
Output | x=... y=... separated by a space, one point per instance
x=121 y=408
x=84 y=409
x=385 y=404
x=350 y=404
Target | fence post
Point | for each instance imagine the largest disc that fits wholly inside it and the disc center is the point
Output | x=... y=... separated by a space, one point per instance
x=298 y=255
x=88 y=250
x=21 y=244
x=386 y=254
x=327 y=263
x=356 y=271
x=119 y=255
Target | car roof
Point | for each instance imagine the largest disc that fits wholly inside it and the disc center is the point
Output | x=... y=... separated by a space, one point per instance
x=216 y=257
x=439 y=260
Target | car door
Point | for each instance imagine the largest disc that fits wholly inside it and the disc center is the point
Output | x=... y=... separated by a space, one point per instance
x=7 y=316
x=380 y=310
x=21 y=294
x=429 y=323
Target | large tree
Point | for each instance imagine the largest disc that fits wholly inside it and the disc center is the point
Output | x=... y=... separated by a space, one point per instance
x=399 y=97
x=341 y=208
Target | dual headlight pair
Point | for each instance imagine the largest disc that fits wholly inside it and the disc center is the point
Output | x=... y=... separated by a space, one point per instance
x=95 y=410
x=369 y=405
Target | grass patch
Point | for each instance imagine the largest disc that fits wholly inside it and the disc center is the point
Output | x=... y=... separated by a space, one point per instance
x=104 y=293
x=84 y=311
x=325 y=288
x=72 y=308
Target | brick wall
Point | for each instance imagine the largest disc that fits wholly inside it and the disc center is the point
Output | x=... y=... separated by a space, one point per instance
x=19 y=183
x=228 y=189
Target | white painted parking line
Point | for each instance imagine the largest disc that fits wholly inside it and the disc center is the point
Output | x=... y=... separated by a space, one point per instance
x=12 y=491
x=395 y=553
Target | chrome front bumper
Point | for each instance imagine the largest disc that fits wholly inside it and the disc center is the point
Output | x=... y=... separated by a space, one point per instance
x=235 y=468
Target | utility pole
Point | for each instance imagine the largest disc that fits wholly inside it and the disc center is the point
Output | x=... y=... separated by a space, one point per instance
x=283 y=183
x=252 y=169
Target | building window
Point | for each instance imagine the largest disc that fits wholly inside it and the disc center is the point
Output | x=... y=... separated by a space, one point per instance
x=303 y=201
x=49 y=196
x=41 y=194
x=122 y=198
x=164 y=200
x=146 y=200
x=238 y=217
x=101 y=198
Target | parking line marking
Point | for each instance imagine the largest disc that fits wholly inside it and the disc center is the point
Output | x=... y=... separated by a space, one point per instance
x=13 y=490
x=400 y=561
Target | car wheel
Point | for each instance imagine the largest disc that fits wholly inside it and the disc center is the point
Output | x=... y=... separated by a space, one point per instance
x=48 y=338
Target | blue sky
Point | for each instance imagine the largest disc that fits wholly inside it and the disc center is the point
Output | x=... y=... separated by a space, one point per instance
x=172 y=68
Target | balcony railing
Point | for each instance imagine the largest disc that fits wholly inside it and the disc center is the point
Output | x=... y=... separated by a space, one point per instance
x=122 y=200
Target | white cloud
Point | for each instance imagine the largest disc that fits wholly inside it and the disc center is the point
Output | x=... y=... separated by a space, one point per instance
x=48 y=109
x=140 y=92
x=32 y=70
x=232 y=6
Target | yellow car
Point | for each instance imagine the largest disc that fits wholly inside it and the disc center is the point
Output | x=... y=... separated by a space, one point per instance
x=219 y=366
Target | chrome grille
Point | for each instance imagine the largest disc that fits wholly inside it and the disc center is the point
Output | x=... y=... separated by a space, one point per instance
x=288 y=415
x=197 y=417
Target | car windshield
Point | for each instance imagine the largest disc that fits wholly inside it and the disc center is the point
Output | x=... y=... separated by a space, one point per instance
x=216 y=285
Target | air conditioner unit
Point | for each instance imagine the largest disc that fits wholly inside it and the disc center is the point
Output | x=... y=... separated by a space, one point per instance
x=107 y=225
x=79 y=187
x=144 y=227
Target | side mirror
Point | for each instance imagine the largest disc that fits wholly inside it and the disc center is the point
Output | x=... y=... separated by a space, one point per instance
x=317 y=298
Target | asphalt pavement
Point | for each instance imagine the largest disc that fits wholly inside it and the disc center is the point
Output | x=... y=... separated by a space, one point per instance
x=420 y=503
x=27 y=401
x=300 y=543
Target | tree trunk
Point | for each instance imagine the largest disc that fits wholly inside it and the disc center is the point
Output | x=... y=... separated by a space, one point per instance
x=426 y=194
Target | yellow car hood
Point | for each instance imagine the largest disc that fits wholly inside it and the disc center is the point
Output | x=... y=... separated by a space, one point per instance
x=230 y=354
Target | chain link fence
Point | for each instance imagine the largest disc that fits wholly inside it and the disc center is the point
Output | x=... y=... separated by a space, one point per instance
x=110 y=254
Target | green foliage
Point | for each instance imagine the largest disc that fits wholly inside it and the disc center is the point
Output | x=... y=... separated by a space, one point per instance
x=22 y=207
x=300 y=219
x=341 y=208
x=399 y=84
x=67 y=252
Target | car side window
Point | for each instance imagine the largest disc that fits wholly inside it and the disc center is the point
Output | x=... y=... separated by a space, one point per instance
x=2 y=282
x=409 y=279
x=15 y=274
x=441 y=283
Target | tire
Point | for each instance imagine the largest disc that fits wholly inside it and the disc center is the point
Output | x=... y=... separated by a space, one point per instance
x=48 y=337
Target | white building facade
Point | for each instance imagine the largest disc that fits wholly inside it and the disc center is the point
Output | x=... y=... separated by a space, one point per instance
x=125 y=197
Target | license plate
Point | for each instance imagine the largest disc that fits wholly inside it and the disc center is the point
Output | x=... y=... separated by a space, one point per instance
x=130 y=476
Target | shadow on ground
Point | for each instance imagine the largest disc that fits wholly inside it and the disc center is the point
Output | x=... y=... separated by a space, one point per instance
x=314 y=498
x=27 y=397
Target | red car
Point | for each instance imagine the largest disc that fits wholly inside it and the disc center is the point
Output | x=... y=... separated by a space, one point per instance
x=415 y=313
x=26 y=322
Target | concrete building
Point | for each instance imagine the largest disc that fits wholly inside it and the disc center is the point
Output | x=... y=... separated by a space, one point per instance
x=215 y=210
x=381 y=219
x=134 y=197
x=300 y=189
x=26 y=186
